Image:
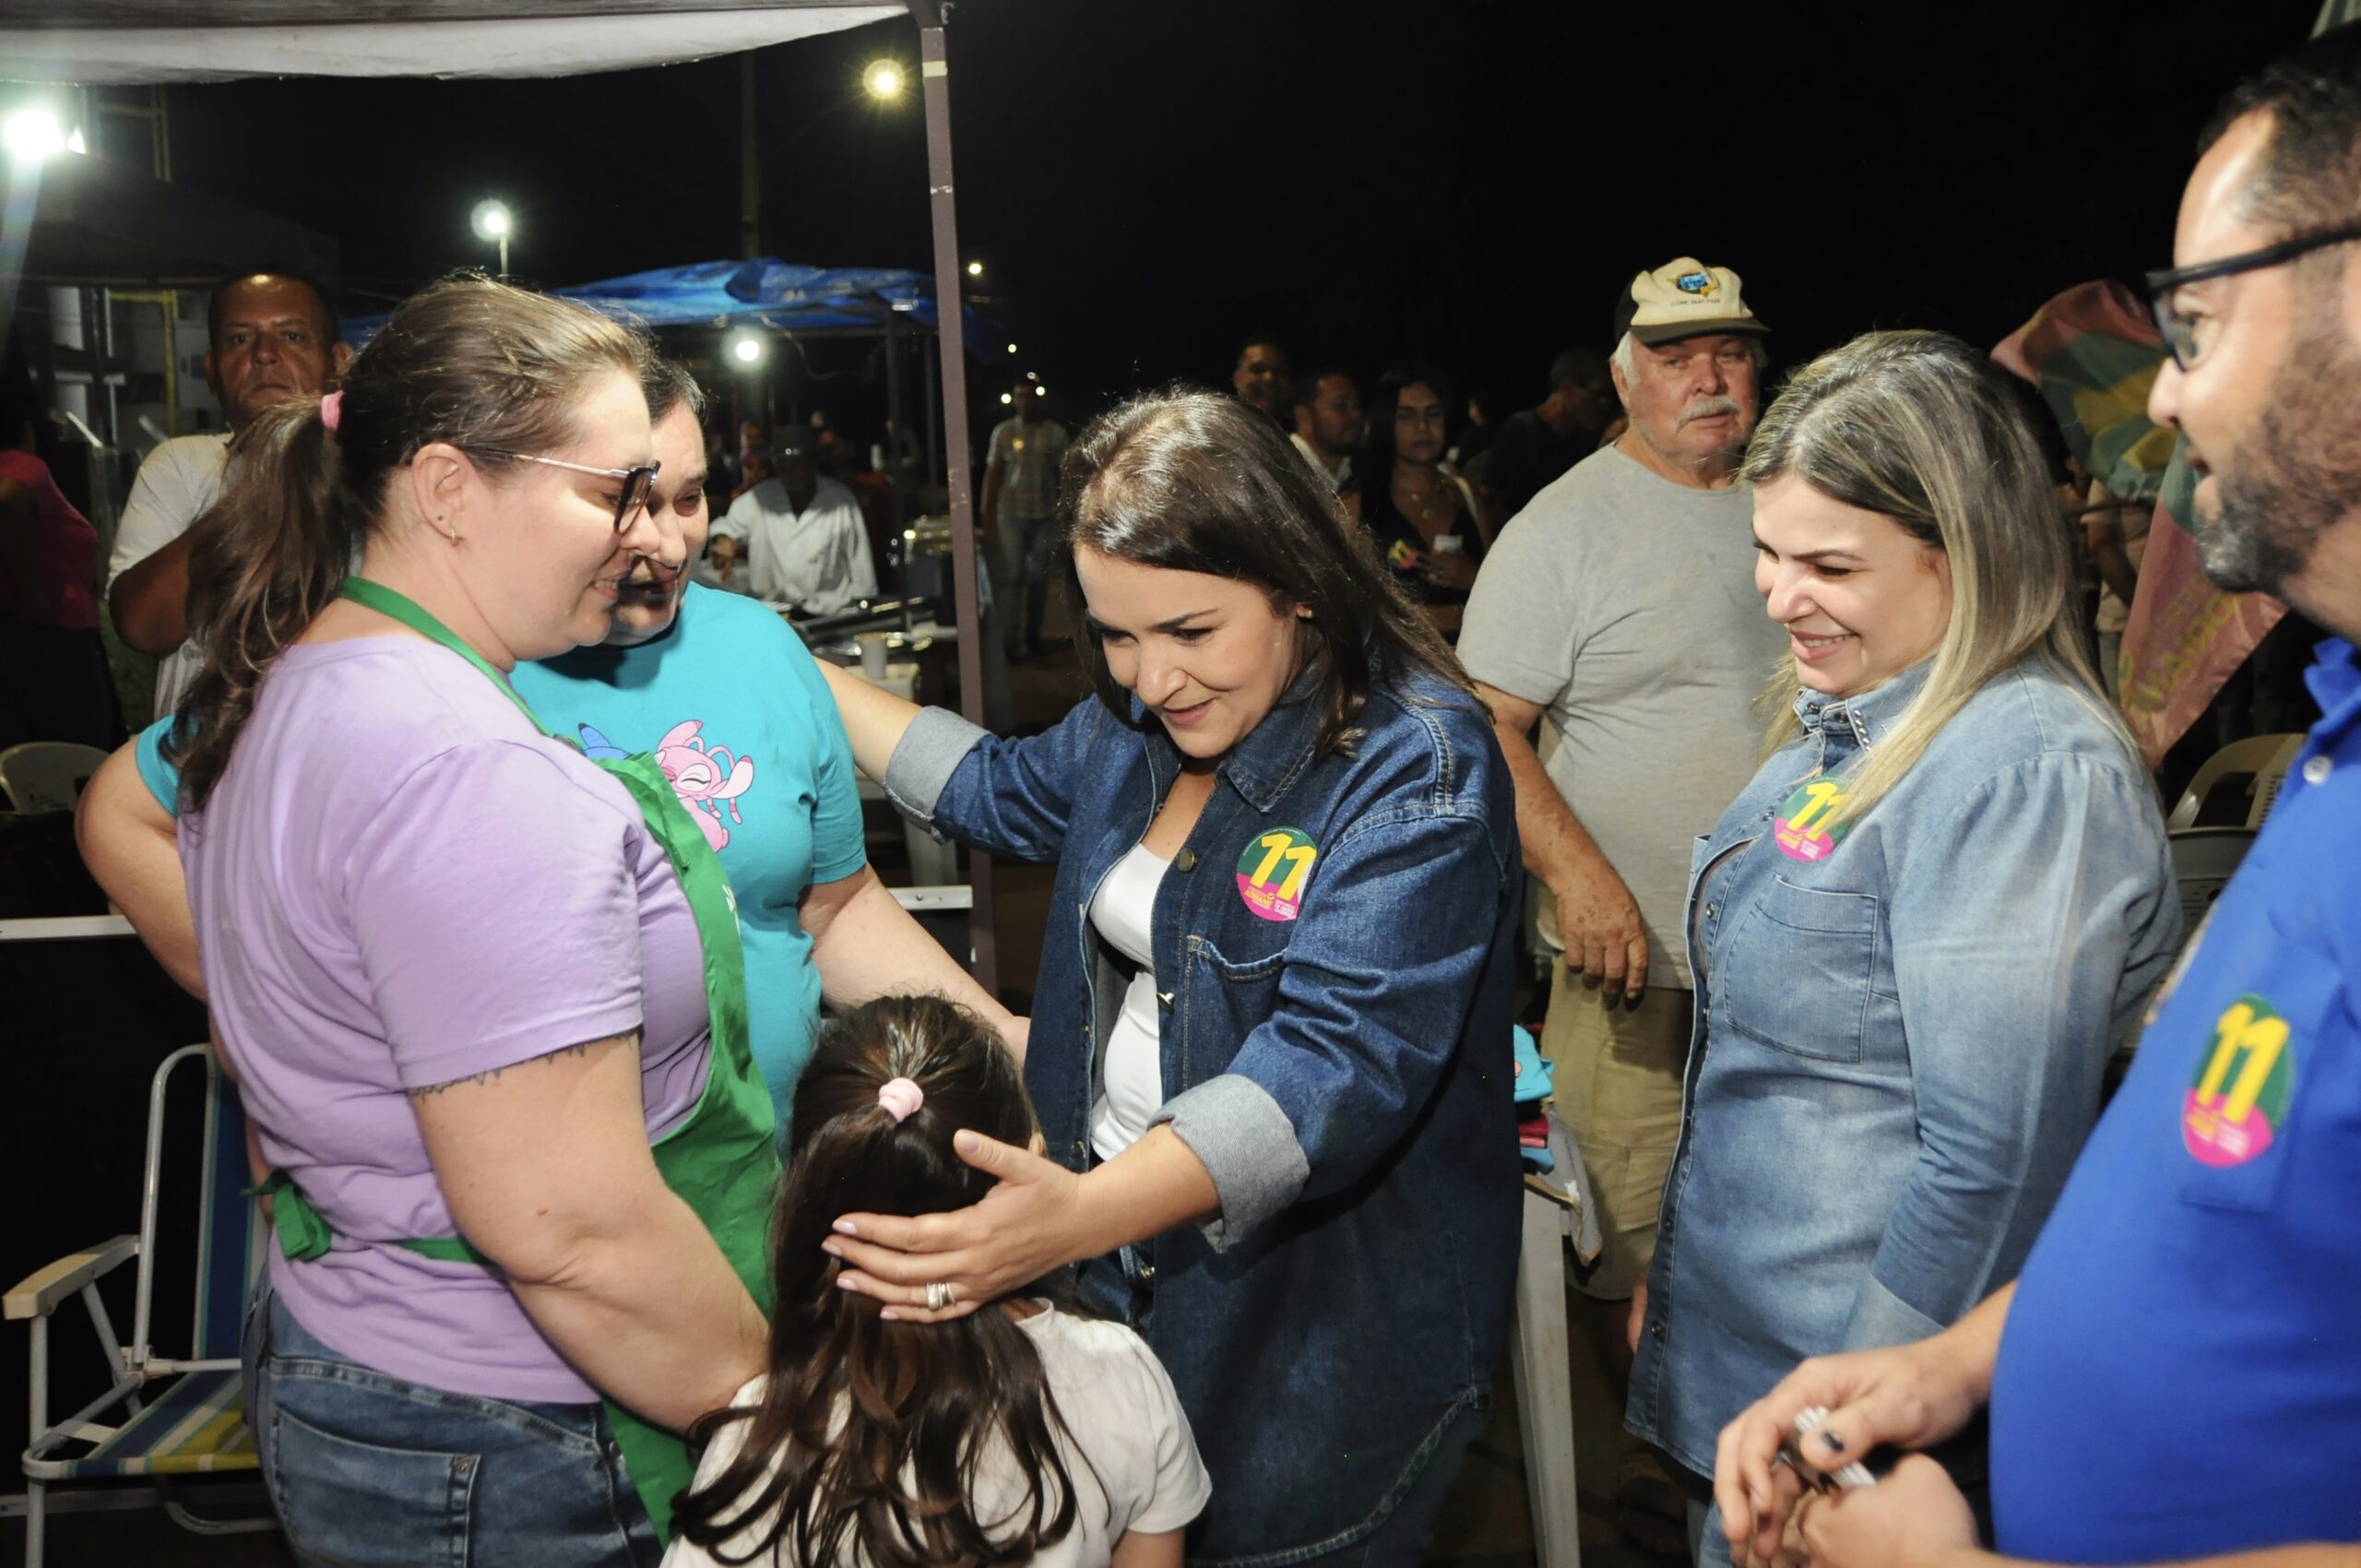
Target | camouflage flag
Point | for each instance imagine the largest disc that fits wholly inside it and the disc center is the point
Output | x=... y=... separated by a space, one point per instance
x=2094 y=353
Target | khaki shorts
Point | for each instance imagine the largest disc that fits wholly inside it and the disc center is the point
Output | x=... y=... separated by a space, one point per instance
x=1617 y=1084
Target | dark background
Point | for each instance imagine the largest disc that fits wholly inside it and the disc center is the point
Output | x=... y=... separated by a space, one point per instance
x=1471 y=181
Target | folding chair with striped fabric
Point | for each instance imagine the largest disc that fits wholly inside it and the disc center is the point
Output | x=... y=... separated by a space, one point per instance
x=164 y=1416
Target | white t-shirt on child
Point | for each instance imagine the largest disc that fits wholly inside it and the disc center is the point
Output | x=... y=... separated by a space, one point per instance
x=1121 y=1416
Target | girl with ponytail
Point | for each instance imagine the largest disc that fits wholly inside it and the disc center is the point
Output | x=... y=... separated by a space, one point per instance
x=1022 y=1434
x=484 y=996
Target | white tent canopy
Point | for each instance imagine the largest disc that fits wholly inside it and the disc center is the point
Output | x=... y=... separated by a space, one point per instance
x=169 y=41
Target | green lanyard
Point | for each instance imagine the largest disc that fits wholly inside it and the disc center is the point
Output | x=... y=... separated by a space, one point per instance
x=702 y=878
x=410 y=613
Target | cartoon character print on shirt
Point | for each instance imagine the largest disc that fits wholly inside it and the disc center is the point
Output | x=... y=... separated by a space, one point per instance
x=707 y=778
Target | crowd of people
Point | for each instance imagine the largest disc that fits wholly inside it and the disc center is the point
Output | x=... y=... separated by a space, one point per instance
x=519 y=861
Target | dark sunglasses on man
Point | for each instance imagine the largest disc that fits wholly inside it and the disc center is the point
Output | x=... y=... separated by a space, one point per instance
x=2179 y=331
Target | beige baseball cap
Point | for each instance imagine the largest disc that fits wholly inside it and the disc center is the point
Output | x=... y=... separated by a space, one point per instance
x=1683 y=299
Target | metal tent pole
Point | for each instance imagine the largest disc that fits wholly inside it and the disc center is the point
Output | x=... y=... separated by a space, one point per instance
x=934 y=70
x=750 y=166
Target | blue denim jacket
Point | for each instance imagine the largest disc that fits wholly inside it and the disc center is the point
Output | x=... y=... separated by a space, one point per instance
x=1899 y=1037
x=1344 y=1075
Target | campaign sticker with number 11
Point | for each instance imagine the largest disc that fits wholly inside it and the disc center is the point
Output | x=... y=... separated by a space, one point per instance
x=1801 y=828
x=1272 y=871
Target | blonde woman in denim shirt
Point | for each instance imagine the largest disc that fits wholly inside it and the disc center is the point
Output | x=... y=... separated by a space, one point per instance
x=1922 y=928
x=1270 y=1043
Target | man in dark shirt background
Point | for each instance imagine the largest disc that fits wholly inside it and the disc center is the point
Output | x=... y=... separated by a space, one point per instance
x=1537 y=444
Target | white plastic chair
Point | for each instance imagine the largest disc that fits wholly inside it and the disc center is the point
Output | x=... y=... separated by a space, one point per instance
x=47 y=776
x=2265 y=757
x=163 y=1418
x=2204 y=859
x=1559 y=1210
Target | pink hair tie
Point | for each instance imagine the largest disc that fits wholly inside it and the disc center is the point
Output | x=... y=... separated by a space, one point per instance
x=900 y=1097
x=332 y=411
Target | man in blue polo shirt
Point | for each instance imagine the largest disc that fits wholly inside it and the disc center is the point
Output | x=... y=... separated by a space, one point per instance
x=725 y=695
x=2175 y=1376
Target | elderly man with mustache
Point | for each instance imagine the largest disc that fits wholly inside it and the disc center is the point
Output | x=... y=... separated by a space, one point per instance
x=1620 y=603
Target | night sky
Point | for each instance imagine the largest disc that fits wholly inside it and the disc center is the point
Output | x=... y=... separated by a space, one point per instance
x=1470 y=180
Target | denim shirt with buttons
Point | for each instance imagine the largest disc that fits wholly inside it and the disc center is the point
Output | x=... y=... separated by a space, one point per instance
x=1899 y=1033
x=1343 y=1071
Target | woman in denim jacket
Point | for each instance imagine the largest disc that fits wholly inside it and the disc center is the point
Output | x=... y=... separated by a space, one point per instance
x=1921 y=930
x=1270 y=1041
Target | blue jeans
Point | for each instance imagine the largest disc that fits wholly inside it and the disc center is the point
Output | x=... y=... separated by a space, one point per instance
x=1026 y=547
x=365 y=1470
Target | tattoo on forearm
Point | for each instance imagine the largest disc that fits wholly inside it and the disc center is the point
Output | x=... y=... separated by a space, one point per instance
x=493 y=1075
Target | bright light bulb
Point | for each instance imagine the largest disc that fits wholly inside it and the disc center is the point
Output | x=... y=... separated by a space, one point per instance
x=491 y=221
x=1012 y=348
x=883 y=79
x=748 y=347
x=975 y=269
x=1007 y=398
x=1040 y=391
x=32 y=135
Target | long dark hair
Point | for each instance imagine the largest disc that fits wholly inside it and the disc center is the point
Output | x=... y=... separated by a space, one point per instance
x=1373 y=465
x=867 y=1441
x=480 y=366
x=1196 y=482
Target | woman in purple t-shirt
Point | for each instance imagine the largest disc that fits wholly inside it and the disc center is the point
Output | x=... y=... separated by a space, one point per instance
x=453 y=968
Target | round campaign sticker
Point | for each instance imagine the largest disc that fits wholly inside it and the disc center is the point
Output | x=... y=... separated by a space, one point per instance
x=1801 y=830
x=2239 y=1103
x=1272 y=871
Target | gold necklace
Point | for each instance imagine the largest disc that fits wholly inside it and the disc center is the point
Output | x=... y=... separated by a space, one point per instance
x=1424 y=506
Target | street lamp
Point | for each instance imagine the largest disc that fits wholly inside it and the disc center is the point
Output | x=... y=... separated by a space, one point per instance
x=492 y=221
x=884 y=80
x=33 y=136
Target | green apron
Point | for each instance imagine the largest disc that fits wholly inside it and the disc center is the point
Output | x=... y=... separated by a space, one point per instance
x=722 y=1162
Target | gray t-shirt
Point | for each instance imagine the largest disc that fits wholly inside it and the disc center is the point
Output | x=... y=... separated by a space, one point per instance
x=1624 y=604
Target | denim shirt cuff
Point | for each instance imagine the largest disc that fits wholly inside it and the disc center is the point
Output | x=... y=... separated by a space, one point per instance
x=1247 y=1146
x=929 y=753
x=1882 y=1318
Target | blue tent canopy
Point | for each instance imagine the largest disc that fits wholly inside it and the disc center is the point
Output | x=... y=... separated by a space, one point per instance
x=764 y=291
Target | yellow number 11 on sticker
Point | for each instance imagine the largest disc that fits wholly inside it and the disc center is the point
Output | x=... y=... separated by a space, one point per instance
x=2262 y=1040
x=1824 y=796
x=1278 y=846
